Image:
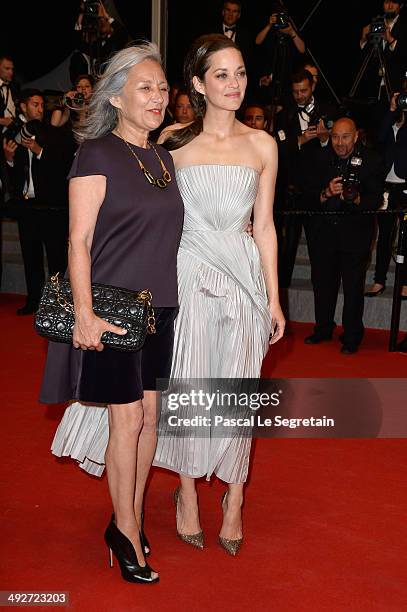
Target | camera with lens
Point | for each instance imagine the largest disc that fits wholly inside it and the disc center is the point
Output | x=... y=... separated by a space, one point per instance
x=402 y=101
x=351 y=179
x=377 y=29
x=74 y=102
x=13 y=129
x=282 y=21
x=90 y=22
x=20 y=129
x=90 y=8
x=315 y=116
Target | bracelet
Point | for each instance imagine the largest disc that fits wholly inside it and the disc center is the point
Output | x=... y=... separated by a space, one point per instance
x=295 y=36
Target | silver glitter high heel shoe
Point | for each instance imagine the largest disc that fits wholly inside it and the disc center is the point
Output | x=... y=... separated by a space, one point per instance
x=194 y=539
x=231 y=546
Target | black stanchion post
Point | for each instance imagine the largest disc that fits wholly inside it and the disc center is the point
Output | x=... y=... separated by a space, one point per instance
x=398 y=280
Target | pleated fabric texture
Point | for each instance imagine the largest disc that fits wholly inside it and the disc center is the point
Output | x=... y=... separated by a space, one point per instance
x=83 y=434
x=223 y=325
x=221 y=331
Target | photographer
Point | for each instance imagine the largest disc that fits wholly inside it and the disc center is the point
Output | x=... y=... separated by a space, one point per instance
x=393 y=138
x=98 y=36
x=299 y=128
x=76 y=100
x=343 y=177
x=390 y=34
x=281 y=48
x=38 y=159
x=8 y=94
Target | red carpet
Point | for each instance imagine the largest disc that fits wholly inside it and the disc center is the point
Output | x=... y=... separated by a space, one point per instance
x=325 y=520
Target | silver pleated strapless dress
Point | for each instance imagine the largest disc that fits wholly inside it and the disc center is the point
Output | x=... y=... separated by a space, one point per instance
x=221 y=331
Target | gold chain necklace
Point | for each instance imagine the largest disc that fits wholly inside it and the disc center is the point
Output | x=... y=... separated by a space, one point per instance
x=157 y=182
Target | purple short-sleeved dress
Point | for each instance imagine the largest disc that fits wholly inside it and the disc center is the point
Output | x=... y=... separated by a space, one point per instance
x=135 y=245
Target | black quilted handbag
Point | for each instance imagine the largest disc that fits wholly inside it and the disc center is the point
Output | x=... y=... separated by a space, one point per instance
x=131 y=310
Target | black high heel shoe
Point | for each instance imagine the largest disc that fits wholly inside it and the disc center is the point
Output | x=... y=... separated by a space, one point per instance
x=143 y=538
x=123 y=550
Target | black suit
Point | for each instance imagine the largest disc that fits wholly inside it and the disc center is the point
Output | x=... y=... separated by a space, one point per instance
x=43 y=220
x=243 y=38
x=395 y=152
x=13 y=92
x=289 y=181
x=339 y=246
x=277 y=55
x=288 y=129
x=394 y=149
x=4 y=178
x=89 y=57
x=395 y=62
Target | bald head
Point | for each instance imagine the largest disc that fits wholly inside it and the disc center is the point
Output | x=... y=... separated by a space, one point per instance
x=344 y=135
x=345 y=123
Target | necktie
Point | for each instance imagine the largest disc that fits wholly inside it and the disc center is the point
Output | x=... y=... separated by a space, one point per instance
x=230 y=29
x=5 y=88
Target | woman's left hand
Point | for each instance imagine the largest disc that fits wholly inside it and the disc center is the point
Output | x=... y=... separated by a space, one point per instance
x=277 y=322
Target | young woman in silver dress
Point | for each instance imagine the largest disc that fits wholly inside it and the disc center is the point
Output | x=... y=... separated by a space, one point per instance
x=227 y=281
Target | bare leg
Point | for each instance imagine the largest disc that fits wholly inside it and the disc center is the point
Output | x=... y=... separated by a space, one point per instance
x=188 y=512
x=232 y=513
x=146 y=449
x=125 y=423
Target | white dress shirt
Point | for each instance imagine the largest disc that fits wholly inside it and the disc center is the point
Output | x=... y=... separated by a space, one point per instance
x=10 y=109
x=231 y=33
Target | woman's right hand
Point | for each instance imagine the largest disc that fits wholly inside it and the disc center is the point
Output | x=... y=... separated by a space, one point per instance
x=88 y=330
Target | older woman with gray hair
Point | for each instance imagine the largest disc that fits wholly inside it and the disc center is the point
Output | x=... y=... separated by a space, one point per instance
x=125 y=224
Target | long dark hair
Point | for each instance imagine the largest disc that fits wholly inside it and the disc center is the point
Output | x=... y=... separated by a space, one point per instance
x=197 y=63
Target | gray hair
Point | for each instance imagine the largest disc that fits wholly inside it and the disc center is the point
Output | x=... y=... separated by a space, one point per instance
x=102 y=116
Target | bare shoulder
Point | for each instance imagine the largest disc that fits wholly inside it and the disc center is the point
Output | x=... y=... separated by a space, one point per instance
x=170 y=129
x=260 y=139
x=264 y=142
x=262 y=145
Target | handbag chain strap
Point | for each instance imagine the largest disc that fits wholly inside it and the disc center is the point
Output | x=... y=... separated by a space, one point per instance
x=67 y=306
x=147 y=297
x=144 y=295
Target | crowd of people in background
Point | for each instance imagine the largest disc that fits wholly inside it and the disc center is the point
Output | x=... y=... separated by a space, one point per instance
x=329 y=159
